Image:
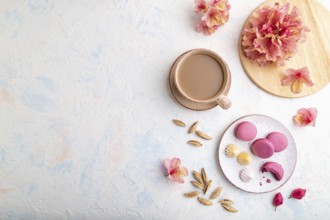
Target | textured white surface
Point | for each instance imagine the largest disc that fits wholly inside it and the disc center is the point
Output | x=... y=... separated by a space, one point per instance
x=85 y=114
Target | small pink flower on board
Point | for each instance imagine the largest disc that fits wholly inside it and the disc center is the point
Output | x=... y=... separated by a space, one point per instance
x=214 y=14
x=278 y=200
x=298 y=193
x=174 y=170
x=305 y=117
x=296 y=79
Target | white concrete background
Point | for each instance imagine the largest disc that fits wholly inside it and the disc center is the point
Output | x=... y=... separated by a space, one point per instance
x=85 y=114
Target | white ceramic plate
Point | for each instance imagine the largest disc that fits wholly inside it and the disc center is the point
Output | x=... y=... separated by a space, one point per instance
x=261 y=182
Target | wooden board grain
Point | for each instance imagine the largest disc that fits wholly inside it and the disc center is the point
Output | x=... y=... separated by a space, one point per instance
x=314 y=53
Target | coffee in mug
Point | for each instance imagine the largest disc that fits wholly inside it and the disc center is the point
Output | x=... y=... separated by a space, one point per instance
x=201 y=77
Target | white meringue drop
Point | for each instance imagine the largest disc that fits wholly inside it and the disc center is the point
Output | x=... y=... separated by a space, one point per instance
x=245 y=175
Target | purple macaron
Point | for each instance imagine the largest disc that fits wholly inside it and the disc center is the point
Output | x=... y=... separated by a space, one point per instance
x=245 y=131
x=263 y=148
x=279 y=141
x=275 y=168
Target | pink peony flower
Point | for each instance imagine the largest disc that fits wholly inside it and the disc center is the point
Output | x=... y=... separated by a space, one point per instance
x=215 y=14
x=298 y=193
x=278 y=200
x=272 y=34
x=174 y=169
x=296 y=78
x=305 y=117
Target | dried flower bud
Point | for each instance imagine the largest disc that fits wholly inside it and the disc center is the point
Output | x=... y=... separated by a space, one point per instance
x=278 y=200
x=298 y=193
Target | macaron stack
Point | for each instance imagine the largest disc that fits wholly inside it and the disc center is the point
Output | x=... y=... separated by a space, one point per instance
x=279 y=141
x=266 y=147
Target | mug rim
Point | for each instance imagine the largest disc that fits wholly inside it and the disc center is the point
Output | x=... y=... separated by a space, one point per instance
x=219 y=60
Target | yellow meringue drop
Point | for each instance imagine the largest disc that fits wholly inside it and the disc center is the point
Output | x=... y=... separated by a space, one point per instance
x=244 y=158
x=231 y=150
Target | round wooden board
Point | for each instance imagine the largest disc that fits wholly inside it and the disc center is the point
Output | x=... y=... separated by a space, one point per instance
x=314 y=53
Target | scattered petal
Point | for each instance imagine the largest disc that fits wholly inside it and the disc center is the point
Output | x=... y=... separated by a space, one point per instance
x=305 y=117
x=174 y=169
x=296 y=78
x=298 y=193
x=272 y=34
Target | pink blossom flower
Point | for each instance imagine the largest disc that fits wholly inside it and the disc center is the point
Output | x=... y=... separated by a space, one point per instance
x=272 y=34
x=278 y=200
x=174 y=169
x=296 y=78
x=200 y=6
x=202 y=27
x=212 y=17
x=298 y=193
x=215 y=14
x=305 y=117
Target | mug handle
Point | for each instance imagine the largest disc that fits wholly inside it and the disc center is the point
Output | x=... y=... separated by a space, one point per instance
x=224 y=102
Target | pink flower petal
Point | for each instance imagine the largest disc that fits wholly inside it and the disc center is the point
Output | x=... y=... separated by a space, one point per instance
x=167 y=164
x=212 y=17
x=177 y=176
x=200 y=6
x=305 y=117
x=203 y=28
x=175 y=163
x=296 y=86
x=221 y=5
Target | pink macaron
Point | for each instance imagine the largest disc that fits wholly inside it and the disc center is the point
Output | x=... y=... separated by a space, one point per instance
x=279 y=141
x=263 y=148
x=275 y=168
x=245 y=131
